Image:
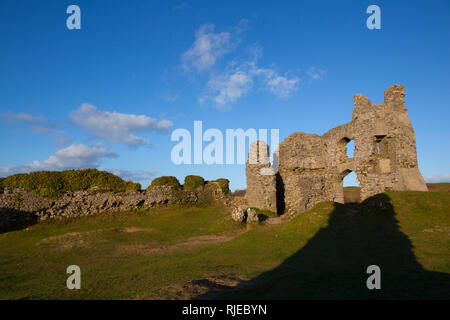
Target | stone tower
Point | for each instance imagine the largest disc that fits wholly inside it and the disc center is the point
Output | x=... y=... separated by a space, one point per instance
x=312 y=167
x=261 y=185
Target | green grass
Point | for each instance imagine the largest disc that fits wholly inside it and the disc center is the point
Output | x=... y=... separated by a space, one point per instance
x=439 y=187
x=174 y=253
x=351 y=194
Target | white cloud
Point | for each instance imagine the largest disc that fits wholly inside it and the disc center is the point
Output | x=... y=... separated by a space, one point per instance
x=444 y=177
x=7 y=170
x=114 y=126
x=23 y=117
x=226 y=87
x=207 y=48
x=230 y=87
x=76 y=156
x=239 y=79
x=282 y=86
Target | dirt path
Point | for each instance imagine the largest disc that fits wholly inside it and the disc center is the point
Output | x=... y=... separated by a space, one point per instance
x=206 y=240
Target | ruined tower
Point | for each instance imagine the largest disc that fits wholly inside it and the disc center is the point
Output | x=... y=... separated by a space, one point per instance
x=312 y=167
x=261 y=182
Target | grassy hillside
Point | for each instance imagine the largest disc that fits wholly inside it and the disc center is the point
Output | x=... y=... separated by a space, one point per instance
x=53 y=183
x=439 y=187
x=352 y=194
x=185 y=253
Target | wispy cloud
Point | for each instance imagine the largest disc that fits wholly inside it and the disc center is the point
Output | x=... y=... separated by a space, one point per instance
x=280 y=85
x=444 y=177
x=61 y=140
x=116 y=127
x=59 y=137
x=23 y=117
x=207 y=48
x=315 y=74
x=182 y=5
x=38 y=125
x=134 y=175
x=238 y=78
x=228 y=87
x=79 y=156
x=43 y=128
x=170 y=97
x=76 y=156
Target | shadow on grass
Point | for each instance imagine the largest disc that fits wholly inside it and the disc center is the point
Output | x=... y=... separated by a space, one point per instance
x=13 y=220
x=333 y=264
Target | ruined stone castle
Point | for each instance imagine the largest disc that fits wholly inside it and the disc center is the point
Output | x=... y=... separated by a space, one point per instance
x=311 y=168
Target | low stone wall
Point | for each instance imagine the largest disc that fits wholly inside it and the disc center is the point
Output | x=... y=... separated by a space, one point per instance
x=20 y=206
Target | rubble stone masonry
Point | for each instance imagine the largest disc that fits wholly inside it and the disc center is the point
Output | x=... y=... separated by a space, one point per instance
x=312 y=167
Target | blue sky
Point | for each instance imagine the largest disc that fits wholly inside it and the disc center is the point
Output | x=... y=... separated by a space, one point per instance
x=109 y=95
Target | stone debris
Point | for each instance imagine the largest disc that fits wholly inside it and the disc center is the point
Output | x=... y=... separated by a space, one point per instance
x=252 y=216
x=238 y=214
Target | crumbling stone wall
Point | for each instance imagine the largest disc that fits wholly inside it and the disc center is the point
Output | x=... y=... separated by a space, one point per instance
x=20 y=206
x=312 y=167
x=303 y=170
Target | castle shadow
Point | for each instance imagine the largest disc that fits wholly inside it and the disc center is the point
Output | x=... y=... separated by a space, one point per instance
x=14 y=220
x=333 y=264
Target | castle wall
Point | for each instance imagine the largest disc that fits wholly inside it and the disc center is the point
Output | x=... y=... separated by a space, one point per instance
x=303 y=170
x=311 y=167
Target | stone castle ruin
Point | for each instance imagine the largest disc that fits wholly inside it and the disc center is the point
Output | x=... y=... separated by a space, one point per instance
x=311 y=168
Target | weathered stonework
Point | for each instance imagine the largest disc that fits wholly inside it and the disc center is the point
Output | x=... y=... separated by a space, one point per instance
x=19 y=206
x=238 y=214
x=312 y=167
x=252 y=216
x=261 y=189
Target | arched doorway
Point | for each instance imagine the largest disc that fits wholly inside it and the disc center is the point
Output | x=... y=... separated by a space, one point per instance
x=351 y=187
